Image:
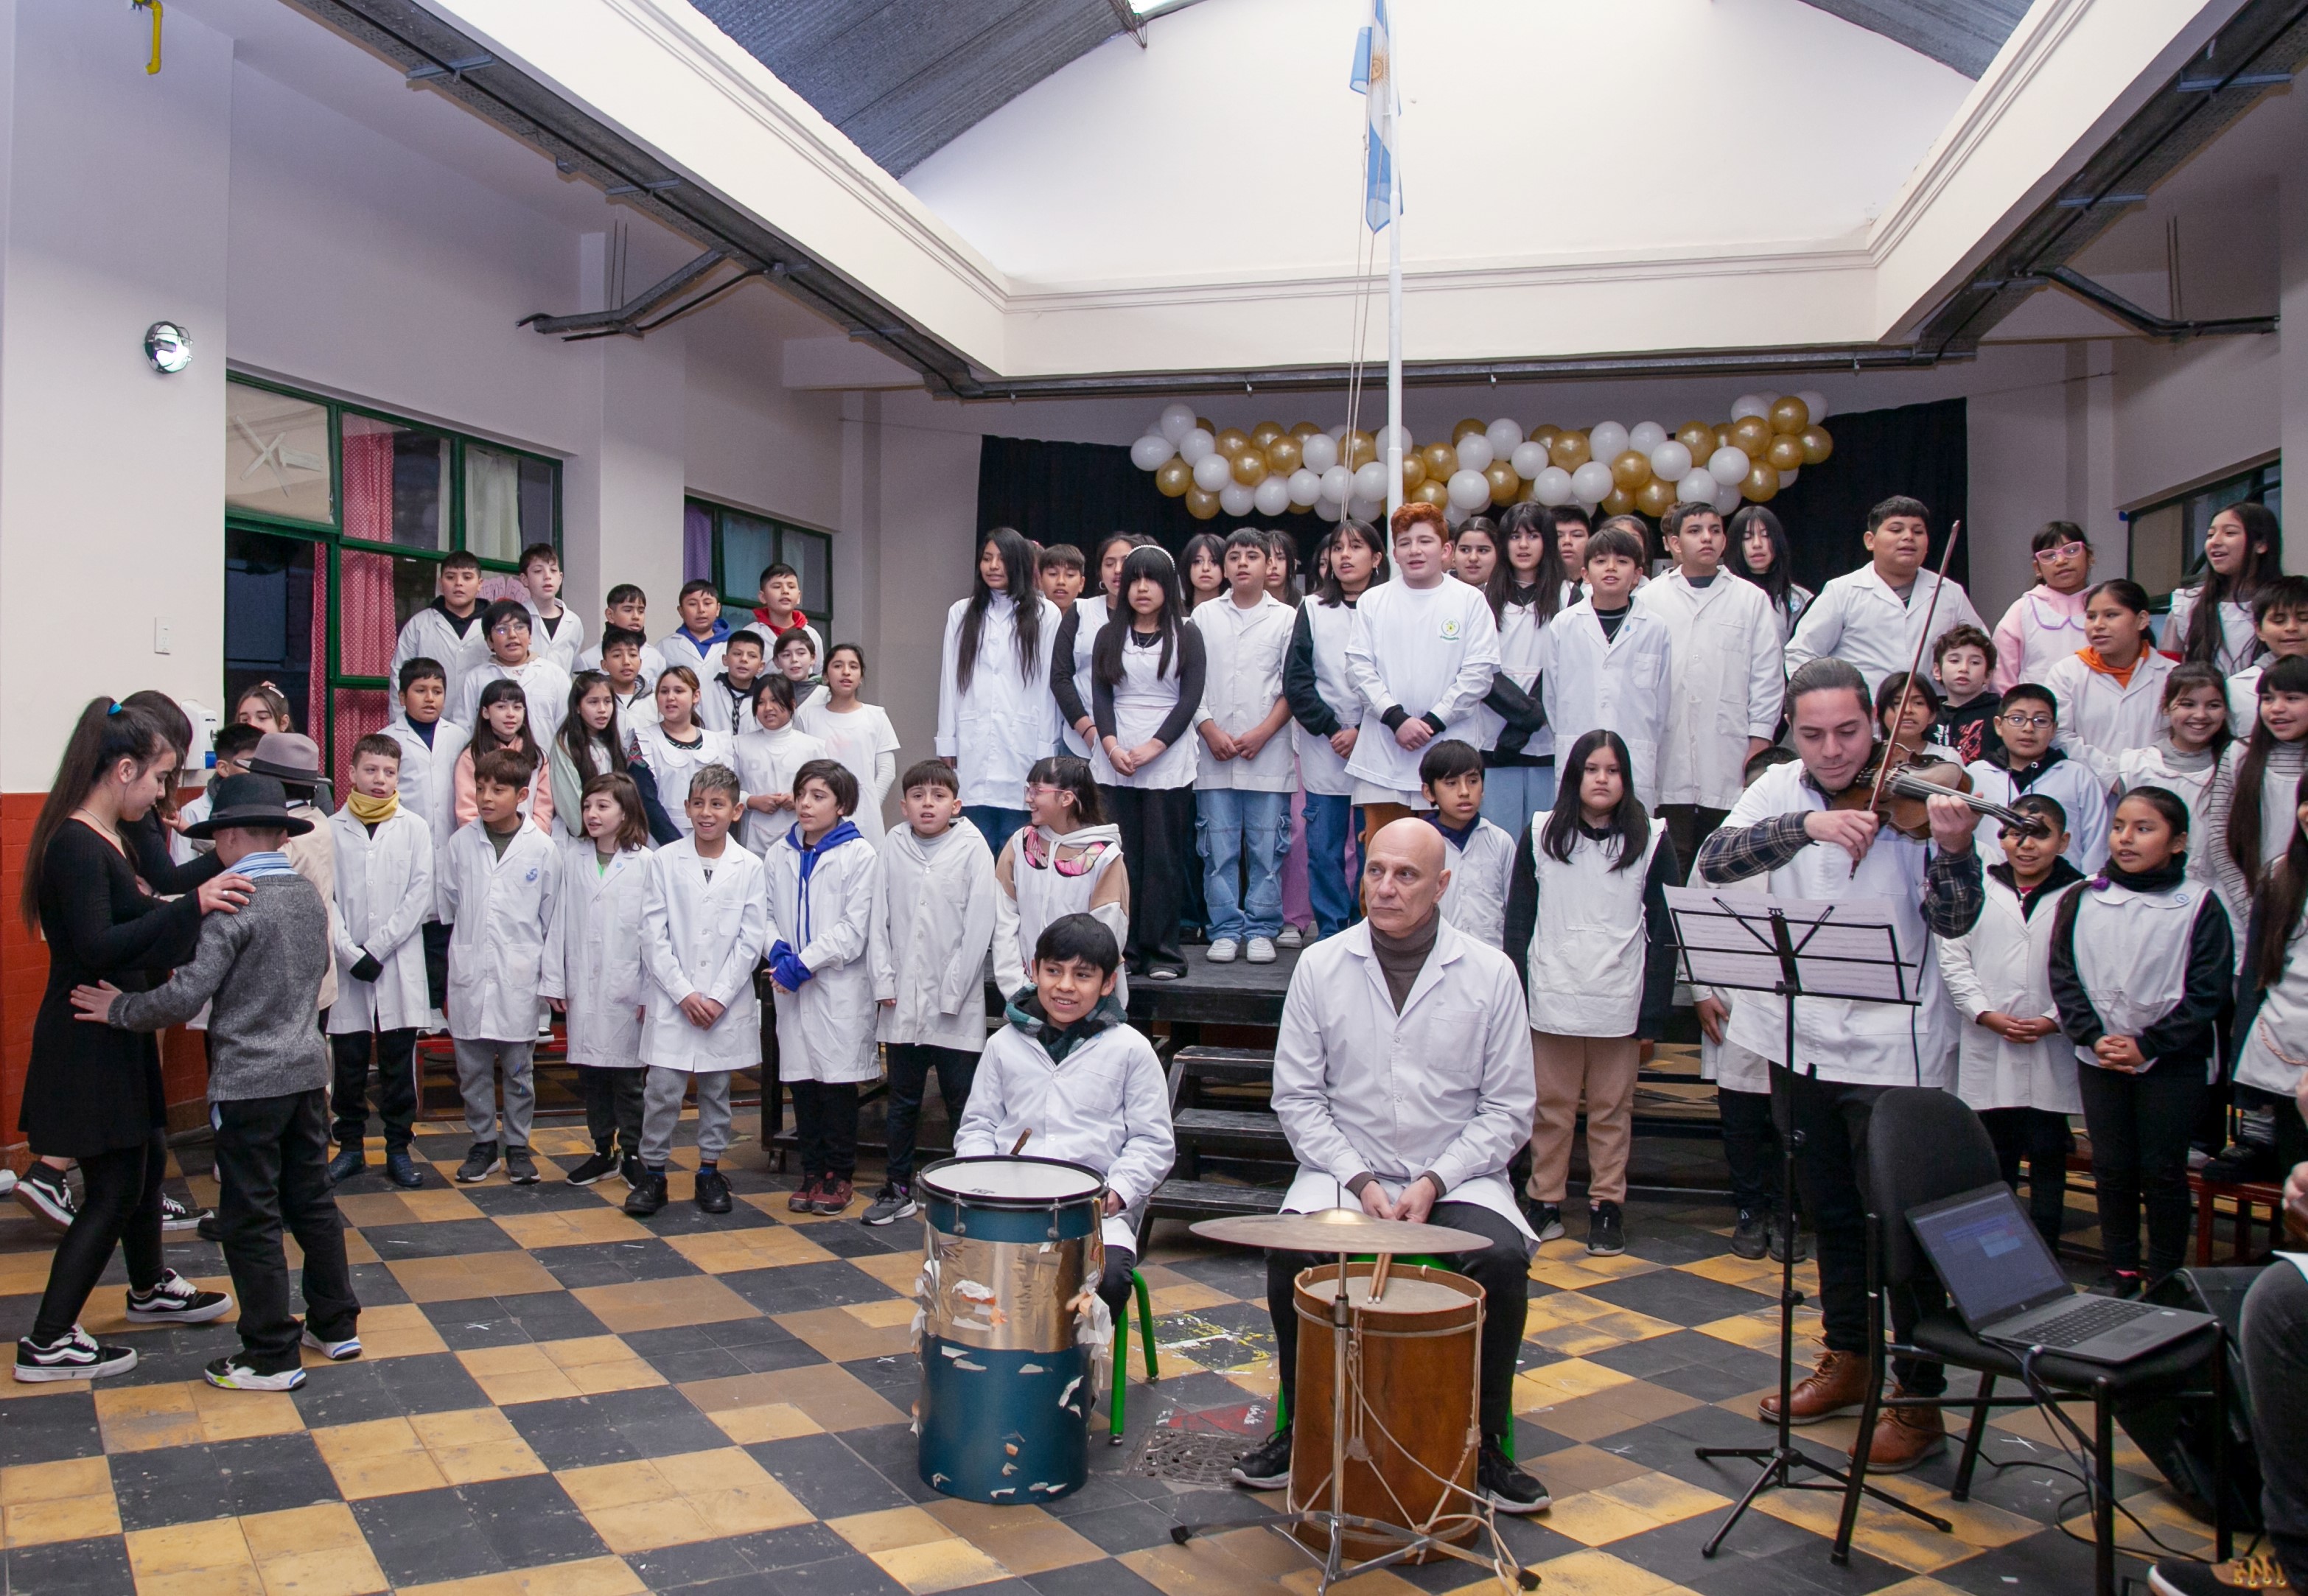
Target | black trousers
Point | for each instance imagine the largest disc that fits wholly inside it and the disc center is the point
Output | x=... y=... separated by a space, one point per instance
x=613 y=1105
x=120 y=1206
x=2276 y=1368
x=1751 y=1146
x=825 y=1117
x=1158 y=851
x=910 y=1065
x=396 y=1086
x=272 y=1170
x=1502 y=1269
x=773 y=1091
x=1687 y=826
x=436 y=961
x=2042 y=1138
x=1113 y=1285
x=1830 y=1119
x=2139 y=1127
x=2291 y=1130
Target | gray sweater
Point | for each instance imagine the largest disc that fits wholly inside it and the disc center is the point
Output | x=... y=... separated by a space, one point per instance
x=262 y=969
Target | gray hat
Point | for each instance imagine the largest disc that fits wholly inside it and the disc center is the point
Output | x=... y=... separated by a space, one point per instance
x=288 y=756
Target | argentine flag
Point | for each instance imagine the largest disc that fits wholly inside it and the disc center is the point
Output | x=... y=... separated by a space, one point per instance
x=1373 y=78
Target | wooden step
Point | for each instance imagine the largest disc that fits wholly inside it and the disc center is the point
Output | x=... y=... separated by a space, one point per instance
x=1208 y=1199
x=1229 y=1127
x=1223 y=1065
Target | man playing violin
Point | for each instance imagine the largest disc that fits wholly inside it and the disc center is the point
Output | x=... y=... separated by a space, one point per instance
x=1786 y=826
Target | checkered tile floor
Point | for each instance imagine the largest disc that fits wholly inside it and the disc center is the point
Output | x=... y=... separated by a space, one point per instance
x=558 y=1400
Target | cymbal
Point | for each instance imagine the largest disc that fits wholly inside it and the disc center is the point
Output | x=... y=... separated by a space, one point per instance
x=1338 y=1230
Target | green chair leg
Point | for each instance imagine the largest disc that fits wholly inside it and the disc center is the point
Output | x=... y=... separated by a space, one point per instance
x=1114 y=1422
x=1145 y=1320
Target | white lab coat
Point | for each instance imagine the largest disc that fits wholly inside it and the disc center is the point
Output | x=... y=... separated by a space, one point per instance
x=1090 y=616
x=544 y=685
x=2131 y=954
x=1727 y=683
x=1521 y=633
x=601 y=952
x=2071 y=783
x=431 y=635
x=1445 y=1085
x=866 y=744
x=2276 y=1039
x=703 y=937
x=1619 y=682
x=2158 y=765
x=1475 y=901
x=674 y=766
x=2101 y=719
x=561 y=645
x=1590 y=945
x=1043 y=895
x=1429 y=650
x=2040 y=629
x=724 y=709
x=1244 y=651
x=826 y=1030
x=429 y=773
x=384 y=894
x=994 y=730
x=636 y=712
x=1860 y=621
x=933 y=914
x=505 y=956
x=2240 y=642
x=679 y=648
x=1320 y=769
x=2003 y=966
x=1143 y=699
x=765 y=763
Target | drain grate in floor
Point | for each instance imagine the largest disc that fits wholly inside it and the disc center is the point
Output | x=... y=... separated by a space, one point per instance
x=1191 y=1456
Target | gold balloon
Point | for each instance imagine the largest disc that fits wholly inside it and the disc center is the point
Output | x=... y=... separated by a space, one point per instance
x=1357 y=449
x=1466 y=424
x=1207 y=425
x=1504 y=483
x=1283 y=455
x=1200 y=505
x=1545 y=436
x=1631 y=469
x=1655 y=497
x=1569 y=450
x=1789 y=415
x=1232 y=442
x=1816 y=444
x=1618 y=502
x=1440 y=459
x=1751 y=433
x=1414 y=471
x=1265 y=433
x=1722 y=431
x=1302 y=431
x=1785 y=454
x=1762 y=483
x=1431 y=492
x=1249 y=467
x=1173 y=477
x=1698 y=437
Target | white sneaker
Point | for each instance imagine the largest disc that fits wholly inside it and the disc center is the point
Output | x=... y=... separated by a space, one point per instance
x=1261 y=950
x=1223 y=949
x=1289 y=936
x=339 y=1351
x=230 y=1374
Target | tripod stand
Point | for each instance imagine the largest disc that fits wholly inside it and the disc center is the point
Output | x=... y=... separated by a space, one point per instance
x=1767 y=948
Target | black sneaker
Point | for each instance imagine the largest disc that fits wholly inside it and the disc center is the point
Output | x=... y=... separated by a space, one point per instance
x=1750 y=1237
x=600 y=1166
x=210 y=1230
x=648 y=1196
x=479 y=1164
x=713 y=1191
x=348 y=1162
x=176 y=1300
x=1507 y=1488
x=1788 y=1233
x=72 y=1355
x=2242 y=1163
x=891 y=1203
x=1544 y=1219
x=179 y=1216
x=48 y=1195
x=632 y=1171
x=1606 y=1231
x=1268 y=1468
x=521 y=1168
x=2124 y=1284
x=401 y=1170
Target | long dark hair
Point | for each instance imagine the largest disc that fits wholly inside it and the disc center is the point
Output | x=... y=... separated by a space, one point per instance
x=1208 y=543
x=175 y=725
x=1525 y=516
x=1779 y=580
x=2263 y=557
x=105 y=734
x=580 y=741
x=485 y=736
x=2281 y=900
x=1025 y=603
x=1073 y=776
x=1098 y=554
x=2285 y=675
x=1629 y=820
x=1144 y=565
x=1330 y=591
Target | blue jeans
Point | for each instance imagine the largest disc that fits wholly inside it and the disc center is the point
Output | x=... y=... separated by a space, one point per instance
x=995 y=825
x=1232 y=826
x=1513 y=793
x=1329 y=825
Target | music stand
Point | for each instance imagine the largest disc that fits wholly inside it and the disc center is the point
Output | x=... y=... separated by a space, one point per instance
x=1794 y=948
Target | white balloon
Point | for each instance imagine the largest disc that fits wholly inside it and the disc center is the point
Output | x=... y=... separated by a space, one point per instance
x=1645 y=435
x=1814 y=401
x=1365 y=509
x=1670 y=460
x=1195 y=445
x=1470 y=489
x=1454 y=517
x=1529 y=460
x=1590 y=484
x=1338 y=433
x=1505 y=435
x=1729 y=464
x=1338 y=483
x=1370 y=481
x=1786 y=481
x=1475 y=453
x=1749 y=404
x=1385 y=433
x=1148 y=453
x=1551 y=486
x=1214 y=471
x=1175 y=422
x=1271 y=495
x=1606 y=441
x=1306 y=487
x=1319 y=452
x=1236 y=499
x=1697 y=486
x=1329 y=509
x=1726 y=498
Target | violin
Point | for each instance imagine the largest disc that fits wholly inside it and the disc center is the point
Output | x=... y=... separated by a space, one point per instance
x=1901 y=793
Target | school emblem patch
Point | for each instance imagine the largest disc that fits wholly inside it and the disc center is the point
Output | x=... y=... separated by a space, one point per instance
x=1451 y=630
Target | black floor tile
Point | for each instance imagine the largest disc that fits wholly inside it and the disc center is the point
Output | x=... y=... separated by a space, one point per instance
x=2044 y=1563
x=613 y=1263
x=470 y=1323
x=799 y=1547
x=827 y=1477
x=894 y=1452
x=1678 y=1297
x=847 y=1239
x=179 y=1485
x=441 y=1238
x=1092 y=1579
x=615 y=1427
x=1126 y=1528
x=42 y=1430
x=387 y=1388
x=797 y=1287
x=375 y=1286
x=1709 y=1382
x=687 y=1218
x=854 y=1574
x=423 y=1537
x=1645 y=1359
x=548 y=1195
x=96 y=1567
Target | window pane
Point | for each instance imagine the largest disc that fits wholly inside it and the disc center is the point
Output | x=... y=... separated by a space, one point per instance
x=396 y=484
x=275 y=618
x=812 y=555
x=276 y=454
x=508 y=502
x=749 y=546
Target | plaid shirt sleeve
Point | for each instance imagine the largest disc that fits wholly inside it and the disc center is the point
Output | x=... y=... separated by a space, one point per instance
x=1729 y=856
x=1954 y=891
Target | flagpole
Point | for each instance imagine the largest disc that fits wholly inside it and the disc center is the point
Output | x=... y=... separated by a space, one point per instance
x=1393 y=298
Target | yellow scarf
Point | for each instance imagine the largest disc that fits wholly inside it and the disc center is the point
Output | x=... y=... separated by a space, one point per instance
x=371 y=811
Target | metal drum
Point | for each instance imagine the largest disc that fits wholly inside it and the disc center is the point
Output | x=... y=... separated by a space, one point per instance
x=1012 y=1253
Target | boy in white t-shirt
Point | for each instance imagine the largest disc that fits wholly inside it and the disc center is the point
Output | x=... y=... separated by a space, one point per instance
x=1481 y=854
x=1241 y=797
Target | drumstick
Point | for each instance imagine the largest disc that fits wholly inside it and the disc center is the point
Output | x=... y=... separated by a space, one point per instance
x=1378 y=1275
x=1023 y=1137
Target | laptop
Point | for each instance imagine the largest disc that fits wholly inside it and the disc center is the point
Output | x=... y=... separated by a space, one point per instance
x=2008 y=1289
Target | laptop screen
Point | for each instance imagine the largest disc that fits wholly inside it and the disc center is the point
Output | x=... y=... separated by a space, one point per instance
x=1988 y=1254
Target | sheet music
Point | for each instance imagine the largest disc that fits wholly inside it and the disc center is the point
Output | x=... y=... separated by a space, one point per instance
x=1842 y=950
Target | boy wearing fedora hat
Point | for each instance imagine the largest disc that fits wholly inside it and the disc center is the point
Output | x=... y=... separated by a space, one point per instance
x=293 y=760
x=260 y=969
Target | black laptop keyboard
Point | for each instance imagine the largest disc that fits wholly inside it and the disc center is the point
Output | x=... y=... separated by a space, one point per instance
x=2080 y=1324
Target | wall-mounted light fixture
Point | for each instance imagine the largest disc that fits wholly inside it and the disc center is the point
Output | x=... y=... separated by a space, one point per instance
x=169 y=347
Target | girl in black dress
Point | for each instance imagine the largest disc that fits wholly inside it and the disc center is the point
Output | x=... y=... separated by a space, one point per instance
x=93 y=1093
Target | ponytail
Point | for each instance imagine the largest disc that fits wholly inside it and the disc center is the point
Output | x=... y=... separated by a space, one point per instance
x=105 y=734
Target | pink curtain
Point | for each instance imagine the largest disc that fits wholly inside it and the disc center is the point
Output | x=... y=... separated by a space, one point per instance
x=366 y=624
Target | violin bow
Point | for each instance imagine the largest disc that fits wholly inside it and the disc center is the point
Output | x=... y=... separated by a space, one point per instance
x=1908 y=688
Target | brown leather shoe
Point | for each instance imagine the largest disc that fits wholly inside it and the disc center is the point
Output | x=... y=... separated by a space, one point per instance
x=1838 y=1385
x=1906 y=1437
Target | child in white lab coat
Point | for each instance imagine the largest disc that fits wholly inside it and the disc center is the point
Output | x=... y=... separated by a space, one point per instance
x=501 y=885
x=545 y=683
x=857 y=733
x=384 y=892
x=729 y=701
x=555 y=632
x=1450 y=775
x=604 y=879
x=821 y=894
x=1605 y=663
x=675 y=747
x=995 y=713
x=704 y=922
x=430 y=742
x=1245 y=771
x=449 y=630
x=766 y=758
x=2026 y=722
x=1067 y=860
x=503 y=723
x=933 y=913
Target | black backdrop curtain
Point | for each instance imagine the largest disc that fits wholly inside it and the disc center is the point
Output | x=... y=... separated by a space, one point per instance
x=1077 y=492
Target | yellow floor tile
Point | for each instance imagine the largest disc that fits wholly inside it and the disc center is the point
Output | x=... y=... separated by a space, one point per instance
x=897 y=1271
x=144 y=1417
x=670 y=1501
x=381 y=1457
x=1731 y=1270
x=1599 y=1574
x=476 y=1274
x=210 y=1558
x=398 y=1330
x=768 y=1246
x=948 y=1565
x=472 y=1444
x=1562 y=1382
x=1185 y=1297
x=832 y=1396
x=1615 y=1412
x=1584 y=1468
x=767 y=1421
x=73 y=1500
x=312 y=1552
x=1594 y=1519
x=891 y=1527
x=594 y=1576
x=1026 y=1541
x=572 y=1227
x=846 y=1334
x=660 y=1305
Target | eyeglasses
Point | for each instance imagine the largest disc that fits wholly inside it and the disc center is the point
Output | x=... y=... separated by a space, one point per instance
x=2065 y=551
x=2039 y=723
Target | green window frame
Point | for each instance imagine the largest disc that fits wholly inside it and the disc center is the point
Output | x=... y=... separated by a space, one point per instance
x=743 y=542
x=2165 y=536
